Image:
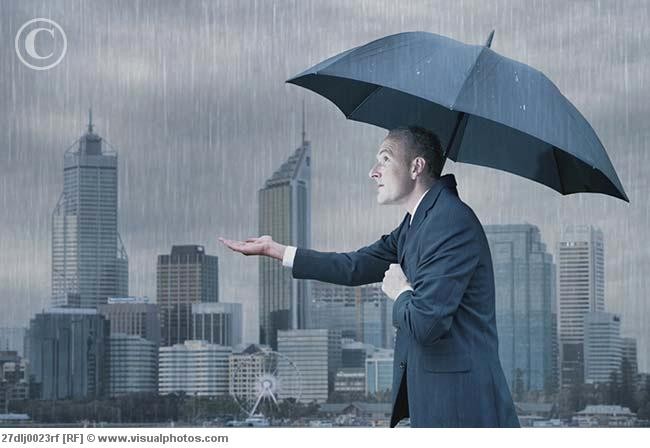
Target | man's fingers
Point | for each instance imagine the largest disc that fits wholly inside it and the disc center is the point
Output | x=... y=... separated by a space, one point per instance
x=234 y=245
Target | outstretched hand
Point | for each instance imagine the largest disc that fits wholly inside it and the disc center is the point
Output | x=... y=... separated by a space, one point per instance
x=264 y=245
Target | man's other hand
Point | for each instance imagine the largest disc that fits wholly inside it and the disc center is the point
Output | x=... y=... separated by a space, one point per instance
x=395 y=282
x=263 y=245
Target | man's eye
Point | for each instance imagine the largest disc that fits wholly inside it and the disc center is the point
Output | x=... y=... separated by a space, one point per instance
x=385 y=159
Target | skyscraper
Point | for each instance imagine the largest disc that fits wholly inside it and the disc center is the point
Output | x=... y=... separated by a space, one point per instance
x=603 y=347
x=285 y=214
x=187 y=276
x=89 y=262
x=67 y=354
x=581 y=289
x=524 y=290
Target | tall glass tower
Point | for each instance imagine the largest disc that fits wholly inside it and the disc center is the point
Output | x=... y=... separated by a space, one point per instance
x=89 y=262
x=581 y=290
x=285 y=214
x=524 y=277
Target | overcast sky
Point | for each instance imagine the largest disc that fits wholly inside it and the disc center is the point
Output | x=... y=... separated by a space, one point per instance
x=192 y=96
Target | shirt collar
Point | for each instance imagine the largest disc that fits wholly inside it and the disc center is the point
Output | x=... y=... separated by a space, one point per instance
x=416 y=206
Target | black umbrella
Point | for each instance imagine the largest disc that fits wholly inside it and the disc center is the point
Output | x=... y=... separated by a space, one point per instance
x=486 y=109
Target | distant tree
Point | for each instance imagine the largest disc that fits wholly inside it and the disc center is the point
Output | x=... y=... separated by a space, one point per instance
x=345 y=397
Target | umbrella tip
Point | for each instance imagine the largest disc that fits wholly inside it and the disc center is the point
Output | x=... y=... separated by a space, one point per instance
x=489 y=39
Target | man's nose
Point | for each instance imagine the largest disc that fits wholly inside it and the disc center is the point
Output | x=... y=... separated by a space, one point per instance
x=373 y=172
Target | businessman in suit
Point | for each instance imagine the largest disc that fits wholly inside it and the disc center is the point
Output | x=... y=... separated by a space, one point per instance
x=437 y=268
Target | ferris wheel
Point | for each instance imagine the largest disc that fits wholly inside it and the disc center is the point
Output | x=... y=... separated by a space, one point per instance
x=262 y=380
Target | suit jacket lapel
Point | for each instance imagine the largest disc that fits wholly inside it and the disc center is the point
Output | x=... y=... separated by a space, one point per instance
x=427 y=203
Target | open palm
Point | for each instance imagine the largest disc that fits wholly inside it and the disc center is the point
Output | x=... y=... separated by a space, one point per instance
x=251 y=246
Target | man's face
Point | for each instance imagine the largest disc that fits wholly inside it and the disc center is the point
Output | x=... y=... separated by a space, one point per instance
x=392 y=174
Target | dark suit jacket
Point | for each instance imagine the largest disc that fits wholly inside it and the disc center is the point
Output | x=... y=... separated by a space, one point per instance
x=446 y=367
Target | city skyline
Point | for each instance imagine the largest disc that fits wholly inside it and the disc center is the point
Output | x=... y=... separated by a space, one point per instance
x=199 y=127
x=292 y=171
x=127 y=362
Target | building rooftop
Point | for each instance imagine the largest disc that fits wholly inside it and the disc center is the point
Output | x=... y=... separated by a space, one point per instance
x=289 y=169
x=603 y=409
x=187 y=250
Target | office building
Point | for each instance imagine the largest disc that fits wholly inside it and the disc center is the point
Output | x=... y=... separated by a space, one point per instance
x=194 y=367
x=136 y=316
x=361 y=313
x=185 y=277
x=317 y=356
x=89 y=261
x=631 y=358
x=217 y=323
x=379 y=372
x=524 y=276
x=67 y=354
x=581 y=289
x=285 y=214
x=603 y=346
x=133 y=364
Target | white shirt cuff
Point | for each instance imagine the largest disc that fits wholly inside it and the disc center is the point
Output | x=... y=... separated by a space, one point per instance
x=288 y=256
x=406 y=288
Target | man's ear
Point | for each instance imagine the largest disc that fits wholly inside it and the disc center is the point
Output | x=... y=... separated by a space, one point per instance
x=417 y=167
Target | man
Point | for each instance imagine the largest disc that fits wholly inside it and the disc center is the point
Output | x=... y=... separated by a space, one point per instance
x=437 y=267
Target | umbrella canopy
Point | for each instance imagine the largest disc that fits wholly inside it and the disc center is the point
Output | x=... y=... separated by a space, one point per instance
x=486 y=109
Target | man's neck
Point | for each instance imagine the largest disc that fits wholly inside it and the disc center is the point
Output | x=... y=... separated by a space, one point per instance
x=416 y=196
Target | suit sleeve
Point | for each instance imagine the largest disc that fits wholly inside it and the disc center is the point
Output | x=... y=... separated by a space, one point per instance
x=366 y=265
x=444 y=270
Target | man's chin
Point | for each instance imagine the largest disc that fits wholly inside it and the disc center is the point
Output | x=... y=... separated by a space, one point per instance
x=382 y=200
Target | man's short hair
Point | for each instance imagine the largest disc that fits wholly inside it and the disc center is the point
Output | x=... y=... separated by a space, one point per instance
x=421 y=142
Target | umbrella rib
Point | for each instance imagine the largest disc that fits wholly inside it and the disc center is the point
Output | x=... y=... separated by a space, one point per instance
x=363 y=102
x=462 y=87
